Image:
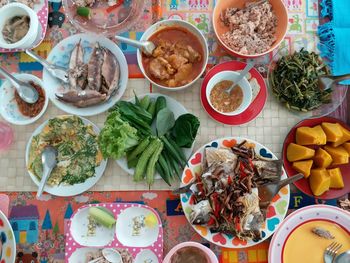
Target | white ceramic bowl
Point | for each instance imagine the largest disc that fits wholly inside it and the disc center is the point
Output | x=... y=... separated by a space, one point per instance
x=179 y=23
x=232 y=76
x=8 y=106
x=16 y=9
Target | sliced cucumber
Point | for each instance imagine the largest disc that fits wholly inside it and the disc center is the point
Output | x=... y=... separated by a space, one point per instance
x=102 y=216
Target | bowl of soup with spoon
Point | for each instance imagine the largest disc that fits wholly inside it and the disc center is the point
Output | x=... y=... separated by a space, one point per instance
x=190 y=252
x=180 y=56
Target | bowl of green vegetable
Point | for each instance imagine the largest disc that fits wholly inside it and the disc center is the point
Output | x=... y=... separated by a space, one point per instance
x=293 y=80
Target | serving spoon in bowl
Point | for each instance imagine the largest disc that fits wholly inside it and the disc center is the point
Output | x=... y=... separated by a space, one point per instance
x=26 y=91
x=242 y=74
x=327 y=81
x=49 y=161
x=146 y=47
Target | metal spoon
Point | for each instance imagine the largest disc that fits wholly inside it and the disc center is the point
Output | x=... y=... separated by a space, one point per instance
x=27 y=92
x=326 y=81
x=243 y=73
x=343 y=257
x=112 y=255
x=56 y=71
x=146 y=47
x=268 y=191
x=49 y=161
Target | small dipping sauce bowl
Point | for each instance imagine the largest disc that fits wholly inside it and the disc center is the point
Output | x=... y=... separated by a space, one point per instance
x=243 y=84
x=210 y=256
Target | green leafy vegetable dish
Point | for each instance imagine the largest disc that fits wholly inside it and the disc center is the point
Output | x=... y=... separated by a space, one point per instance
x=77 y=147
x=294 y=81
x=148 y=135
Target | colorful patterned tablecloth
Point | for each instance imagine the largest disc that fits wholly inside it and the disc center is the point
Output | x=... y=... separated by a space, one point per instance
x=39 y=225
x=269 y=128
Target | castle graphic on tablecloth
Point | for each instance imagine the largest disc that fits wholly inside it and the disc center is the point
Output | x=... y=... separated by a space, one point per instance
x=25 y=222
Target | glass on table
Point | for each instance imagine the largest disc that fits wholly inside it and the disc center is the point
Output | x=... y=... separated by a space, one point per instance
x=6 y=136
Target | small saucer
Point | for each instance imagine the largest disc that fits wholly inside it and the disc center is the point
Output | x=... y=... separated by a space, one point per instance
x=259 y=94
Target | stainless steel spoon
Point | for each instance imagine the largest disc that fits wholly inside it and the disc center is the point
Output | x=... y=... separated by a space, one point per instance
x=49 y=161
x=27 y=92
x=343 y=257
x=110 y=254
x=327 y=81
x=56 y=71
x=146 y=47
x=243 y=73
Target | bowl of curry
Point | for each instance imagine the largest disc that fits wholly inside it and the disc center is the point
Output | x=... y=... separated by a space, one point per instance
x=180 y=57
x=234 y=102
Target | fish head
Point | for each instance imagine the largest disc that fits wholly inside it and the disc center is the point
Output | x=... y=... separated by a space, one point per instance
x=201 y=212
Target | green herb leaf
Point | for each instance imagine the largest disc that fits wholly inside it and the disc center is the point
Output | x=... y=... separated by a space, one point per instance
x=185 y=130
x=165 y=121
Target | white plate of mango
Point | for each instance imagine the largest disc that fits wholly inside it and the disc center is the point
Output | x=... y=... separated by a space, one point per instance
x=320 y=149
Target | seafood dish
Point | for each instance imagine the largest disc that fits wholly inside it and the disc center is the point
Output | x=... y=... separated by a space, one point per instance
x=225 y=194
x=15 y=28
x=93 y=82
x=252 y=30
x=178 y=58
x=125 y=254
x=76 y=144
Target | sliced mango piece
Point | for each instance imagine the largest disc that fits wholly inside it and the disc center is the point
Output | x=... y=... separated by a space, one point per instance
x=345 y=137
x=347 y=147
x=333 y=131
x=336 y=178
x=322 y=158
x=297 y=152
x=310 y=136
x=339 y=154
x=303 y=167
x=319 y=181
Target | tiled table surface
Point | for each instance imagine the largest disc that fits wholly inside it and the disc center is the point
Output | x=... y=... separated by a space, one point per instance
x=269 y=128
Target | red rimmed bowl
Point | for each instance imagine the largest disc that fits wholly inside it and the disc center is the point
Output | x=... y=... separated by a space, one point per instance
x=219 y=27
x=303 y=184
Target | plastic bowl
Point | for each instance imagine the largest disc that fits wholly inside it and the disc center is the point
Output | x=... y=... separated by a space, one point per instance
x=114 y=21
x=8 y=107
x=219 y=27
x=210 y=254
x=178 y=23
x=16 y=9
x=339 y=90
x=244 y=84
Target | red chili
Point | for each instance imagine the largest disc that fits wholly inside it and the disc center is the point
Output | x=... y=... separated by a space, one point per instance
x=229 y=180
x=241 y=168
x=111 y=8
x=237 y=223
x=211 y=221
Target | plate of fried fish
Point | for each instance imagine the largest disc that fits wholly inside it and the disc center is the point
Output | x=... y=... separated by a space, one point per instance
x=97 y=71
x=219 y=192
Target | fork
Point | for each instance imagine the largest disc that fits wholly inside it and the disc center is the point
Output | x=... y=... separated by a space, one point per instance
x=331 y=251
x=56 y=71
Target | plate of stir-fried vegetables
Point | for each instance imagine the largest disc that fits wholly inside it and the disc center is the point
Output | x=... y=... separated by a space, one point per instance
x=219 y=192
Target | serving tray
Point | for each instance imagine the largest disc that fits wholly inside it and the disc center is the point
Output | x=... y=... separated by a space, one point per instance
x=145 y=247
x=42 y=10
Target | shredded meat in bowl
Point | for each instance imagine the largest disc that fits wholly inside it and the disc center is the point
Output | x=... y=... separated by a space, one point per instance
x=251 y=31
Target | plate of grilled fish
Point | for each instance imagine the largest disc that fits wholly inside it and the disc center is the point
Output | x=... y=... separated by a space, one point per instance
x=97 y=74
x=220 y=192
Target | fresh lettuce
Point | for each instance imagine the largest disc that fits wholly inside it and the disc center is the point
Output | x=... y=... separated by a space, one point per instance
x=117 y=137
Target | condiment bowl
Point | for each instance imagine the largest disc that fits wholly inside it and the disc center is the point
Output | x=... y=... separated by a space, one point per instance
x=219 y=28
x=211 y=257
x=8 y=107
x=232 y=76
x=17 y=9
x=177 y=23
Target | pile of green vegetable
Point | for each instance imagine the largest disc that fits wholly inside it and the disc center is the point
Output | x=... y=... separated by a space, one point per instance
x=128 y=133
x=294 y=81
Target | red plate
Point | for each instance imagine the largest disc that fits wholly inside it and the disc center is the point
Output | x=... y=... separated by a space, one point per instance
x=303 y=184
x=255 y=107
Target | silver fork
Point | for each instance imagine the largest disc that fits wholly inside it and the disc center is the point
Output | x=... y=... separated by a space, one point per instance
x=56 y=71
x=331 y=251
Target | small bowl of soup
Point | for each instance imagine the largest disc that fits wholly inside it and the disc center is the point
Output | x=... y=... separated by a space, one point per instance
x=180 y=57
x=233 y=103
x=190 y=252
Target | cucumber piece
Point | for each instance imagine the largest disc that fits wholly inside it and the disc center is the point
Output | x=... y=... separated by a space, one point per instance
x=102 y=217
x=145 y=101
x=83 y=11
